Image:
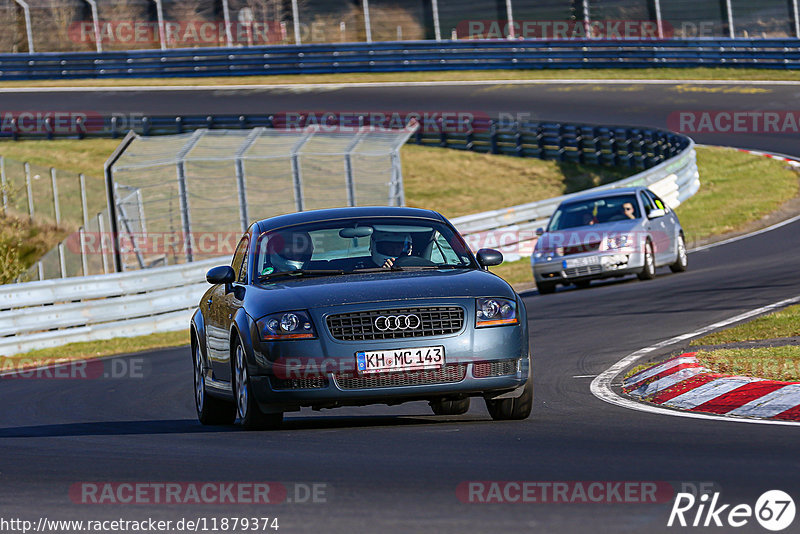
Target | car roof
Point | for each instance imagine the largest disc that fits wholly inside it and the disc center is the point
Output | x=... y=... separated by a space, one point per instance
x=302 y=217
x=605 y=193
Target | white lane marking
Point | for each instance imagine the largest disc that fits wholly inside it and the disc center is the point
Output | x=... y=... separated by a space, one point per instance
x=653 y=371
x=668 y=381
x=771 y=404
x=584 y=376
x=601 y=386
x=343 y=85
x=709 y=391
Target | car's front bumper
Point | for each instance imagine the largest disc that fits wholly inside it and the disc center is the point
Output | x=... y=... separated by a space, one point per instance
x=595 y=265
x=320 y=373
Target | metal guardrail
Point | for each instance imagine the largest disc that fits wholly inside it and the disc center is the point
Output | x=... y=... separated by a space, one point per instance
x=405 y=56
x=55 y=312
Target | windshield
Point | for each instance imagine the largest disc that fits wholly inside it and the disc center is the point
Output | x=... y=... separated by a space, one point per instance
x=595 y=211
x=353 y=245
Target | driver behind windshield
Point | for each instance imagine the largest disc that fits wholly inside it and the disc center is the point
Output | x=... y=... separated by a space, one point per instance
x=386 y=247
x=288 y=251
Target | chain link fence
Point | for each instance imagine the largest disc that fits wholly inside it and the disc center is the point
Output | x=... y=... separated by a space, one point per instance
x=75 y=25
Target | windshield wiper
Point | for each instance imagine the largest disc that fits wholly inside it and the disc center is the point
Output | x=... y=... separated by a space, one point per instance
x=298 y=273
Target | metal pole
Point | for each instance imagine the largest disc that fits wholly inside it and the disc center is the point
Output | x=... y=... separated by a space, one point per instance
x=396 y=192
x=3 y=184
x=796 y=14
x=241 y=183
x=96 y=24
x=296 y=172
x=226 y=14
x=296 y=20
x=348 y=168
x=27 y=12
x=729 y=8
x=510 y=16
x=183 y=195
x=29 y=189
x=62 y=262
x=56 y=207
x=367 y=25
x=40 y=270
x=162 y=37
x=659 y=22
x=587 y=20
x=101 y=228
x=82 y=230
x=110 y=200
x=436 y=28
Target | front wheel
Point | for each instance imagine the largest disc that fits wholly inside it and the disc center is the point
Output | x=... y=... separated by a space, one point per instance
x=682 y=260
x=247 y=409
x=210 y=410
x=450 y=407
x=649 y=270
x=512 y=409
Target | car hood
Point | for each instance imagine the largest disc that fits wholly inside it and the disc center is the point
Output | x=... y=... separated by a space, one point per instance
x=588 y=234
x=328 y=291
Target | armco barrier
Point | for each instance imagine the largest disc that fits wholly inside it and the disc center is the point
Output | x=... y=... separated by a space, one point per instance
x=404 y=56
x=55 y=312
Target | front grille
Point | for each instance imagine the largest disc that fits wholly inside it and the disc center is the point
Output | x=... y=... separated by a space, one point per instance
x=584 y=271
x=447 y=375
x=360 y=326
x=314 y=382
x=580 y=249
x=495 y=368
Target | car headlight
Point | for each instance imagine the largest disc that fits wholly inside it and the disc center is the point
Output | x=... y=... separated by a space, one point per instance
x=617 y=242
x=286 y=325
x=495 y=312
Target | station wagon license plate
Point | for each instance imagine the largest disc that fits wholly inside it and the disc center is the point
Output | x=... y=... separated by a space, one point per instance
x=581 y=262
x=384 y=361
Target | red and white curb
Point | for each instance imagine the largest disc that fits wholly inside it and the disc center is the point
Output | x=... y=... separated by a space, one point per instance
x=790 y=161
x=682 y=383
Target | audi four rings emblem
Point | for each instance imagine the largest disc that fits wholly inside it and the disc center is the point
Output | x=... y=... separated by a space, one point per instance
x=397 y=322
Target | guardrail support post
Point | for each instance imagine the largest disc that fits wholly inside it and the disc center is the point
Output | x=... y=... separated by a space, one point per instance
x=367 y=25
x=296 y=21
x=56 y=206
x=27 y=12
x=4 y=184
x=437 y=30
x=29 y=189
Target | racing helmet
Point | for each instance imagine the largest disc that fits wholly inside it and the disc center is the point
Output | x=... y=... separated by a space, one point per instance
x=384 y=245
x=290 y=250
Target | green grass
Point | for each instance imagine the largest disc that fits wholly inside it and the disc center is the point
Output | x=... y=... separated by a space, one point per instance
x=733 y=74
x=94 y=349
x=773 y=363
x=785 y=323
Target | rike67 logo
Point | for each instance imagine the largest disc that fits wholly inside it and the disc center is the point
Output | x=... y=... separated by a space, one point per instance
x=774 y=510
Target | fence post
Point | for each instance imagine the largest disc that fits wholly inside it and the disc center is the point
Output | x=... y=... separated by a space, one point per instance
x=40 y=270
x=27 y=12
x=162 y=37
x=729 y=12
x=241 y=183
x=101 y=228
x=226 y=15
x=110 y=200
x=29 y=189
x=348 y=168
x=365 y=5
x=82 y=230
x=510 y=16
x=56 y=206
x=436 y=28
x=296 y=20
x=183 y=195
x=659 y=23
x=96 y=25
x=3 y=184
x=796 y=17
x=62 y=262
x=297 y=177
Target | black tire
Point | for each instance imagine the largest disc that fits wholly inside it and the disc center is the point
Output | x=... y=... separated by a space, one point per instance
x=545 y=288
x=512 y=409
x=682 y=259
x=583 y=284
x=648 y=272
x=210 y=410
x=450 y=407
x=247 y=408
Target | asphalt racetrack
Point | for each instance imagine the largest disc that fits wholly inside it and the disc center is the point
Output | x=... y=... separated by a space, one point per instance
x=399 y=469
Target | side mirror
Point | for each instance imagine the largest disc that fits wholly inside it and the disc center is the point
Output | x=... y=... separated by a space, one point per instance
x=221 y=275
x=487 y=257
x=656 y=213
x=540 y=231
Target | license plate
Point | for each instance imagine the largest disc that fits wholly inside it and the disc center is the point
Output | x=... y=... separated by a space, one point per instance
x=581 y=262
x=383 y=361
